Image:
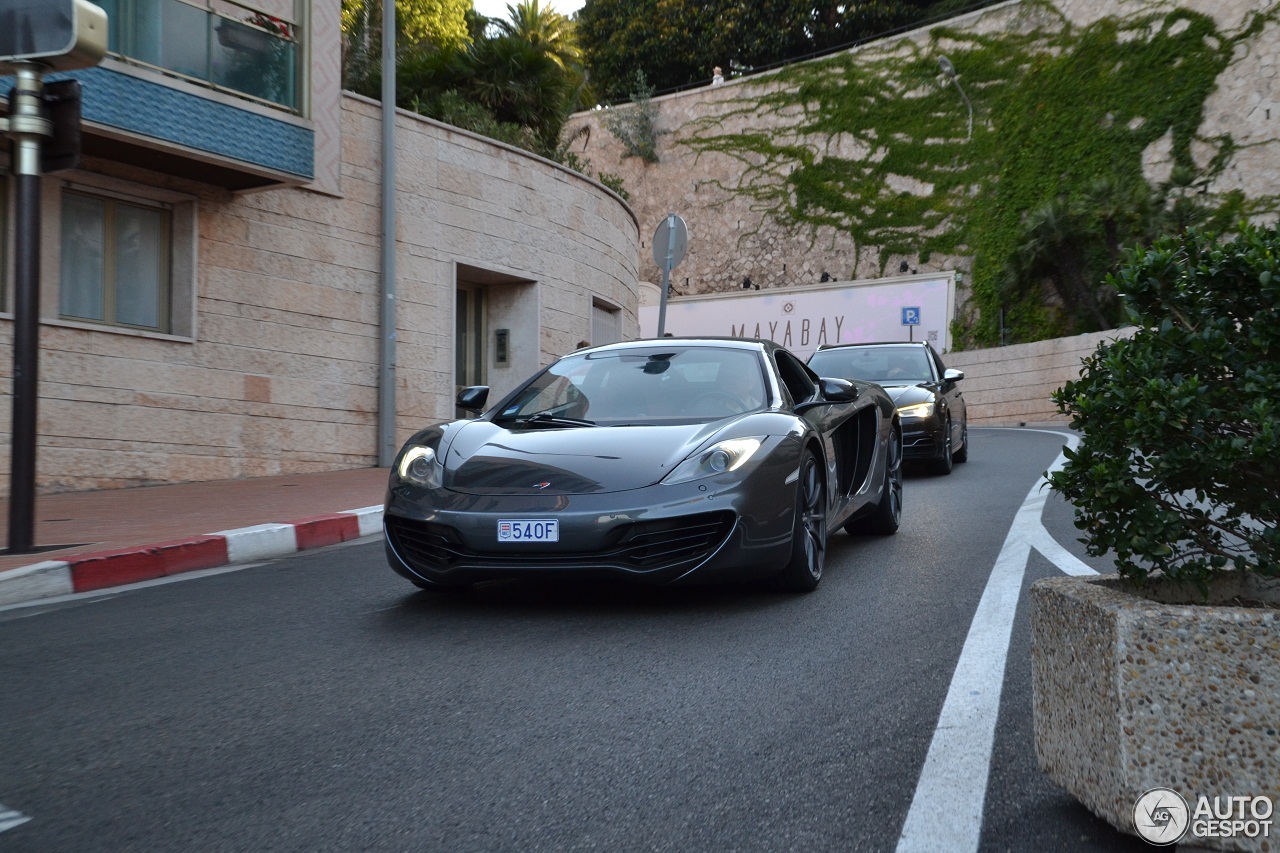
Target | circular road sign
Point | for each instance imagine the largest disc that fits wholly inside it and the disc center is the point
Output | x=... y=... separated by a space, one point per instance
x=670 y=241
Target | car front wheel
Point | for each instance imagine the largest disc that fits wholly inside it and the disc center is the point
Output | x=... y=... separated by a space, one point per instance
x=888 y=515
x=809 y=534
x=962 y=455
x=942 y=465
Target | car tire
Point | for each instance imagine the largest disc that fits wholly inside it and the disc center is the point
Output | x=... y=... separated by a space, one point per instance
x=809 y=533
x=962 y=455
x=888 y=514
x=943 y=464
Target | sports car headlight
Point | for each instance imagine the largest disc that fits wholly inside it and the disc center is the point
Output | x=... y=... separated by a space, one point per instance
x=723 y=456
x=918 y=410
x=420 y=465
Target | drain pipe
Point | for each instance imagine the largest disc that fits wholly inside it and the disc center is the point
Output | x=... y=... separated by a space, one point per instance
x=387 y=351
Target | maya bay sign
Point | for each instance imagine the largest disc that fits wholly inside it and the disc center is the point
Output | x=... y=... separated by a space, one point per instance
x=807 y=317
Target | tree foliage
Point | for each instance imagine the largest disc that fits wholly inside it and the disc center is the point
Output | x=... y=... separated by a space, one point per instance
x=678 y=42
x=442 y=23
x=1178 y=466
x=635 y=124
x=516 y=80
x=544 y=29
x=1056 y=166
x=1071 y=244
x=507 y=78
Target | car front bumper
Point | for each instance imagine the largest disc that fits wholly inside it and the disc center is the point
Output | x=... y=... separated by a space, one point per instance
x=923 y=439
x=710 y=530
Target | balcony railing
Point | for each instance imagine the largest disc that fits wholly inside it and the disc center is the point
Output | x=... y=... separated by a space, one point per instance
x=222 y=44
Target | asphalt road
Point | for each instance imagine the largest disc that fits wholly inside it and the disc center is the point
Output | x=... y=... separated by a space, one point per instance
x=319 y=702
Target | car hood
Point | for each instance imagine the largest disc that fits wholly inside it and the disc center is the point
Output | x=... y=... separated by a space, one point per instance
x=909 y=395
x=486 y=459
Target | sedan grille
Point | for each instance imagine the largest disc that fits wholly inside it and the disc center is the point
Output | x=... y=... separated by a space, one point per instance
x=642 y=546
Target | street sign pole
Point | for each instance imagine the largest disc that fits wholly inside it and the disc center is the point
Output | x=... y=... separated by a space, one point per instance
x=28 y=127
x=666 y=273
x=669 y=243
x=37 y=36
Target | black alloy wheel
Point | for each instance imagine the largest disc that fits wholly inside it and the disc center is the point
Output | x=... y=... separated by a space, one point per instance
x=962 y=455
x=942 y=465
x=809 y=535
x=888 y=515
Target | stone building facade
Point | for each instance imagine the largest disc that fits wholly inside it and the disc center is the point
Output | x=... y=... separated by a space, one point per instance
x=265 y=359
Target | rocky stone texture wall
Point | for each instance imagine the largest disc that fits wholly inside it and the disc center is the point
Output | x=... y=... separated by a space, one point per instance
x=281 y=373
x=733 y=236
x=1011 y=385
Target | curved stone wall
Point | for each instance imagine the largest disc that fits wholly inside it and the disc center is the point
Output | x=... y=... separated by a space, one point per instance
x=276 y=370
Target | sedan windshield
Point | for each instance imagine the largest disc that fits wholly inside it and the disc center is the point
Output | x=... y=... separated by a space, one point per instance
x=662 y=384
x=886 y=365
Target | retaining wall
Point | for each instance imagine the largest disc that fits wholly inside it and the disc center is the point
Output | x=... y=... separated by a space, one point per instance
x=1010 y=385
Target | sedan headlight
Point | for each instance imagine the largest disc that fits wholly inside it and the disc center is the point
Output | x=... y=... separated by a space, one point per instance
x=917 y=410
x=420 y=465
x=719 y=458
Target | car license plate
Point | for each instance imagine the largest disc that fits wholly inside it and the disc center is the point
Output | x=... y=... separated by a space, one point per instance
x=528 y=530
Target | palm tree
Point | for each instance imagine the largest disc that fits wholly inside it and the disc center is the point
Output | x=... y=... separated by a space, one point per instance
x=546 y=30
x=520 y=84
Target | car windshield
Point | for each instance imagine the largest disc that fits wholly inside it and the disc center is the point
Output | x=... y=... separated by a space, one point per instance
x=658 y=385
x=886 y=365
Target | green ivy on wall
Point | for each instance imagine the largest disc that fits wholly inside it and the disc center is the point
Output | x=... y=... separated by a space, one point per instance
x=1058 y=110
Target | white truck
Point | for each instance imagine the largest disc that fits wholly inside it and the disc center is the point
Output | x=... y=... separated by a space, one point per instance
x=903 y=308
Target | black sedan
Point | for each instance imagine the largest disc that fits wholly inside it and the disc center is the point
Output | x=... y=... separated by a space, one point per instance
x=662 y=461
x=935 y=423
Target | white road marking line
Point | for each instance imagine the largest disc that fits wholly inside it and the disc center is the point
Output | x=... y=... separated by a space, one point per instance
x=946 y=812
x=10 y=818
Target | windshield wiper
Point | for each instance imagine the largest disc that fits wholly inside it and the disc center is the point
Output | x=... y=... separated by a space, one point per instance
x=547 y=419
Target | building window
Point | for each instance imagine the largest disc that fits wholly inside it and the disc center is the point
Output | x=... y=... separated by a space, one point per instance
x=115 y=262
x=253 y=49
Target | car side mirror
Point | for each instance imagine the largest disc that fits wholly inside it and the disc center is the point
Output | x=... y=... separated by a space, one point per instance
x=950 y=375
x=837 y=390
x=473 y=398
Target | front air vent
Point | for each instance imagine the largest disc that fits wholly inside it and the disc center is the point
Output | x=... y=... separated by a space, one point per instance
x=638 y=547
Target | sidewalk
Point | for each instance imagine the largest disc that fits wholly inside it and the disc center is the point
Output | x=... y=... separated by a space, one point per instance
x=90 y=540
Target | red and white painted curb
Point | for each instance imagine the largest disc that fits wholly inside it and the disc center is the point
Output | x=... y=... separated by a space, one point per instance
x=102 y=569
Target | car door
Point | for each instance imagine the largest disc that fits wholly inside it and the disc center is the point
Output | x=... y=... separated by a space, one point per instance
x=950 y=391
x=832 y=423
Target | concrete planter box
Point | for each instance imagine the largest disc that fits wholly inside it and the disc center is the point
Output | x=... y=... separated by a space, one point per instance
x=1131 y=694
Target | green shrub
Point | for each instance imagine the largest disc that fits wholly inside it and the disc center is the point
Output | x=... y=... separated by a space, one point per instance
x=635 y=126
x=1179 y=467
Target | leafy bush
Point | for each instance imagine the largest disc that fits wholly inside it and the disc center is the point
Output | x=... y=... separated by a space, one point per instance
x=1179 y=467
x=635 y=126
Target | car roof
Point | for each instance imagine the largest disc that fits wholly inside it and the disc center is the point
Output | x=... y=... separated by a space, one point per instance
x=751 y=344
x=875 y=344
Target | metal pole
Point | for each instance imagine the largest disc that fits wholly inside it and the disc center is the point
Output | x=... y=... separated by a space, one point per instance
x=387 y=352
x=950 y=71
x=666 y=274
x=28 y=127
x=968 y=104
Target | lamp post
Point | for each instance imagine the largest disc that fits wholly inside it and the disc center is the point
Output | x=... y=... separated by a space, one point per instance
x=950 y=70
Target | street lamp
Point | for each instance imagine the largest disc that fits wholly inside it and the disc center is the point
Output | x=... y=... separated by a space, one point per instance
x=950 y=70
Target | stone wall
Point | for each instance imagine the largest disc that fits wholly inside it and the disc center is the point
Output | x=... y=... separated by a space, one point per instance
x=280 y=372
x=1011 y=385
x=734 y=234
